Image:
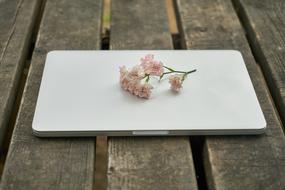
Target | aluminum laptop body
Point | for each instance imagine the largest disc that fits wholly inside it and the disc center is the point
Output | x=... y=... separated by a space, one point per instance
x=80 y=95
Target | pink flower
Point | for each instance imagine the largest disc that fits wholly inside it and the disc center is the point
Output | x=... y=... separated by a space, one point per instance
x=176 y=82
x=125 y=82
x=144 y=90
x=155 y=69
x=123 y=72
x=135 y=80
x=129 y=77
x=147 y=59
x=131 y=81
x=136 y=73
x=136 y=89
x=151 y=66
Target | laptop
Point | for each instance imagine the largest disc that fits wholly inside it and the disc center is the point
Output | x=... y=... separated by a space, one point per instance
x=80 y=95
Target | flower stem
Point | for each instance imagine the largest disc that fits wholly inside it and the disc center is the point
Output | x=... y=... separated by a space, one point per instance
x=168 y=68
x=147 y=77
x=174 y=71
x=192 y=71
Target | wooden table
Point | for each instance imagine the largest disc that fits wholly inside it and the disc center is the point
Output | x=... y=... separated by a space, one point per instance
x=31 y=28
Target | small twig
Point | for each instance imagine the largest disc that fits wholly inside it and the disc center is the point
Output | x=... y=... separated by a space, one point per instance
x=173 y=71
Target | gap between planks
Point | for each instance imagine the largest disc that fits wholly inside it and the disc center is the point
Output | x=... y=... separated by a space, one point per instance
x=257 y=54
x=101 y=147
x=22 y=81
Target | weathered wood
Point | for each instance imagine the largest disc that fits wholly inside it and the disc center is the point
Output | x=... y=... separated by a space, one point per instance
x=139 y=25
x=235 y=162
x=17 y=19
x=57 y=163
x=142 y=162
x=265 y=24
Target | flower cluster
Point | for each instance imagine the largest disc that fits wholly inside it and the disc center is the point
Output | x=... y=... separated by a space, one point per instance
x=131 y=81
x=136 y=79
x=151 y=66
x=175 y=82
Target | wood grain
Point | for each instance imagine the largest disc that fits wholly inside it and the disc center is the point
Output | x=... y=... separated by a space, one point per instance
x=265 y=24
x=235 y=162
x=17 y=19
x=53 y=163
x=146 y=162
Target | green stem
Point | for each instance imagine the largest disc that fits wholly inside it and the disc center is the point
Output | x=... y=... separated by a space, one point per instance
x=192 y=71
x=173 y=71
x=147 y=77
x=168 y=68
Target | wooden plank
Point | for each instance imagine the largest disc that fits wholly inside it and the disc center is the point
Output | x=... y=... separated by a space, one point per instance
x=235 y=162
x=17 y=19
x=53 y=163
x=146 y=162
x=265 y=23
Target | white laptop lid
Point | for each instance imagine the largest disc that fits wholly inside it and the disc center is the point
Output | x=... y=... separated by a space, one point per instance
x=80 y=95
